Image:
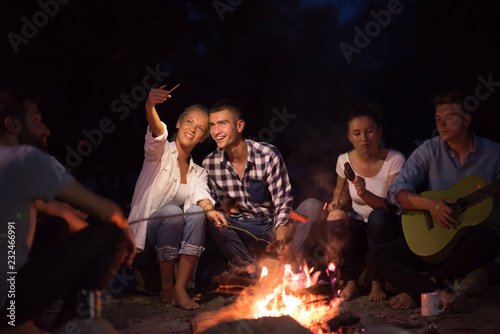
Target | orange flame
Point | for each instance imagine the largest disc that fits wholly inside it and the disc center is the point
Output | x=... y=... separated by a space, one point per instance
x=279 y=294
x=263 y=273
x=282 y=301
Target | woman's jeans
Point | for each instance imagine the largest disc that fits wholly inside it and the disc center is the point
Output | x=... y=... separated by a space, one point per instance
x=167 y=238
x=382 y=226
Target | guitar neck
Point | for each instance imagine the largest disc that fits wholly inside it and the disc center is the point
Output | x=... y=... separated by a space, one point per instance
x=479 y=195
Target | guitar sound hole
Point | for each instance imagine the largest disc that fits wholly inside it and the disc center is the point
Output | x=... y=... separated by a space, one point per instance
x=428 y=220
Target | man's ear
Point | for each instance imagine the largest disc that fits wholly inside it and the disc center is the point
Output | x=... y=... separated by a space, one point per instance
x=12 y=125
x=467 y=120
x=240 y=125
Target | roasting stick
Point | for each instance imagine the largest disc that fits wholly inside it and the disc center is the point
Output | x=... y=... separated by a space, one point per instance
x=292 y=214
x=196 y=213
x=275 y=244
x=340 y=196
x=174 y=88
x=349 y=175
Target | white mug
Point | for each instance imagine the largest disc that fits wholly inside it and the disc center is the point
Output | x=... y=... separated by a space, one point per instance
x=430 y=304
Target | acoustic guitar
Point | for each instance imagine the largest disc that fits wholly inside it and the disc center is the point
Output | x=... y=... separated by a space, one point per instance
x=475 y=206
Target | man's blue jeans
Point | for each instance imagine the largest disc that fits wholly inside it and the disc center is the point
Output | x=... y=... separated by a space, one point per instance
x=234 y=244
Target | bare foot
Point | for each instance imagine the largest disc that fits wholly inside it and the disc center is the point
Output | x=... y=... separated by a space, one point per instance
x=167 y=295
x=377 y=293
x=182 y=299
x=454 y=301
x=350 y=291
x=402 y=301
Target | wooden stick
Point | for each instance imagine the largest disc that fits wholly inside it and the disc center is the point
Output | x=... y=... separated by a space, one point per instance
x=340 y=196
x=174 y=88
x=197 y=213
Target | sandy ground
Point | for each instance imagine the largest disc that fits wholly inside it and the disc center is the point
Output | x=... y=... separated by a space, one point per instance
x=134 y=313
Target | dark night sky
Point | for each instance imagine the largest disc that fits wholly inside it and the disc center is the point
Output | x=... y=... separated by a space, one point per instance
x=275 y=57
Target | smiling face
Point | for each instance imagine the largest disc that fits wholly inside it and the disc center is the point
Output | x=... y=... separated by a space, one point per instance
x=192 y=129
x=364 y=134
x=451 y=121
x=33 y=131
x=225 y=129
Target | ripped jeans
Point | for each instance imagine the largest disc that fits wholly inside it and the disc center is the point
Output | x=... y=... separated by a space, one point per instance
x=173 y=236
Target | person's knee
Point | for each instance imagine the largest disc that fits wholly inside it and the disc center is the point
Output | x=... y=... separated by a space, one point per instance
x=195 y=209
x=379 y=223
x=196 y=216
x=309 y=204
x=168 y=210
x=171 y=217
x=312 y=208
x=379 y=217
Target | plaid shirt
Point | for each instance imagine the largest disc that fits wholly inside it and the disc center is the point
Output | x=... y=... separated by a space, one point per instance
x=264 y=189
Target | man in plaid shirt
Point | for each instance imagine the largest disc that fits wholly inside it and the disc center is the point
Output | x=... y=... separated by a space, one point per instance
x=253 y=176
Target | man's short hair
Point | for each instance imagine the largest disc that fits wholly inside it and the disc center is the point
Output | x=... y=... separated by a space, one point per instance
x=451 y=97
x=12 y=105
x=233 y=107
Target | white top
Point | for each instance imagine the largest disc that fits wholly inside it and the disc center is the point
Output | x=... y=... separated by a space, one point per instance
x=181 y=196
x=159 y=182
x=377 y=184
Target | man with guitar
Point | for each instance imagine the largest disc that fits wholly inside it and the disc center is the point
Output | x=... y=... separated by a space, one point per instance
x=439 y=164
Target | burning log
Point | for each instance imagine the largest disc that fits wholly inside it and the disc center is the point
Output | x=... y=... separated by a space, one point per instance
x=266 y=325
x=288 y=294
x=312 y=311
x=342 y=320
x=320 y=291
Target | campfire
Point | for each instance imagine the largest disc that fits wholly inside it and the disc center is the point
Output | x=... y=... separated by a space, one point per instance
x=278 y=295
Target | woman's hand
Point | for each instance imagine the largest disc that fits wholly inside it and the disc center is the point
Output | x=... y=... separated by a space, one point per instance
x=216 y=217
x=157 y=96
x=360 y=185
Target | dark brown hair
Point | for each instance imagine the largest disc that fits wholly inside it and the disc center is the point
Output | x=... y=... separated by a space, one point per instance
x=12 y=105
x=233 y=107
